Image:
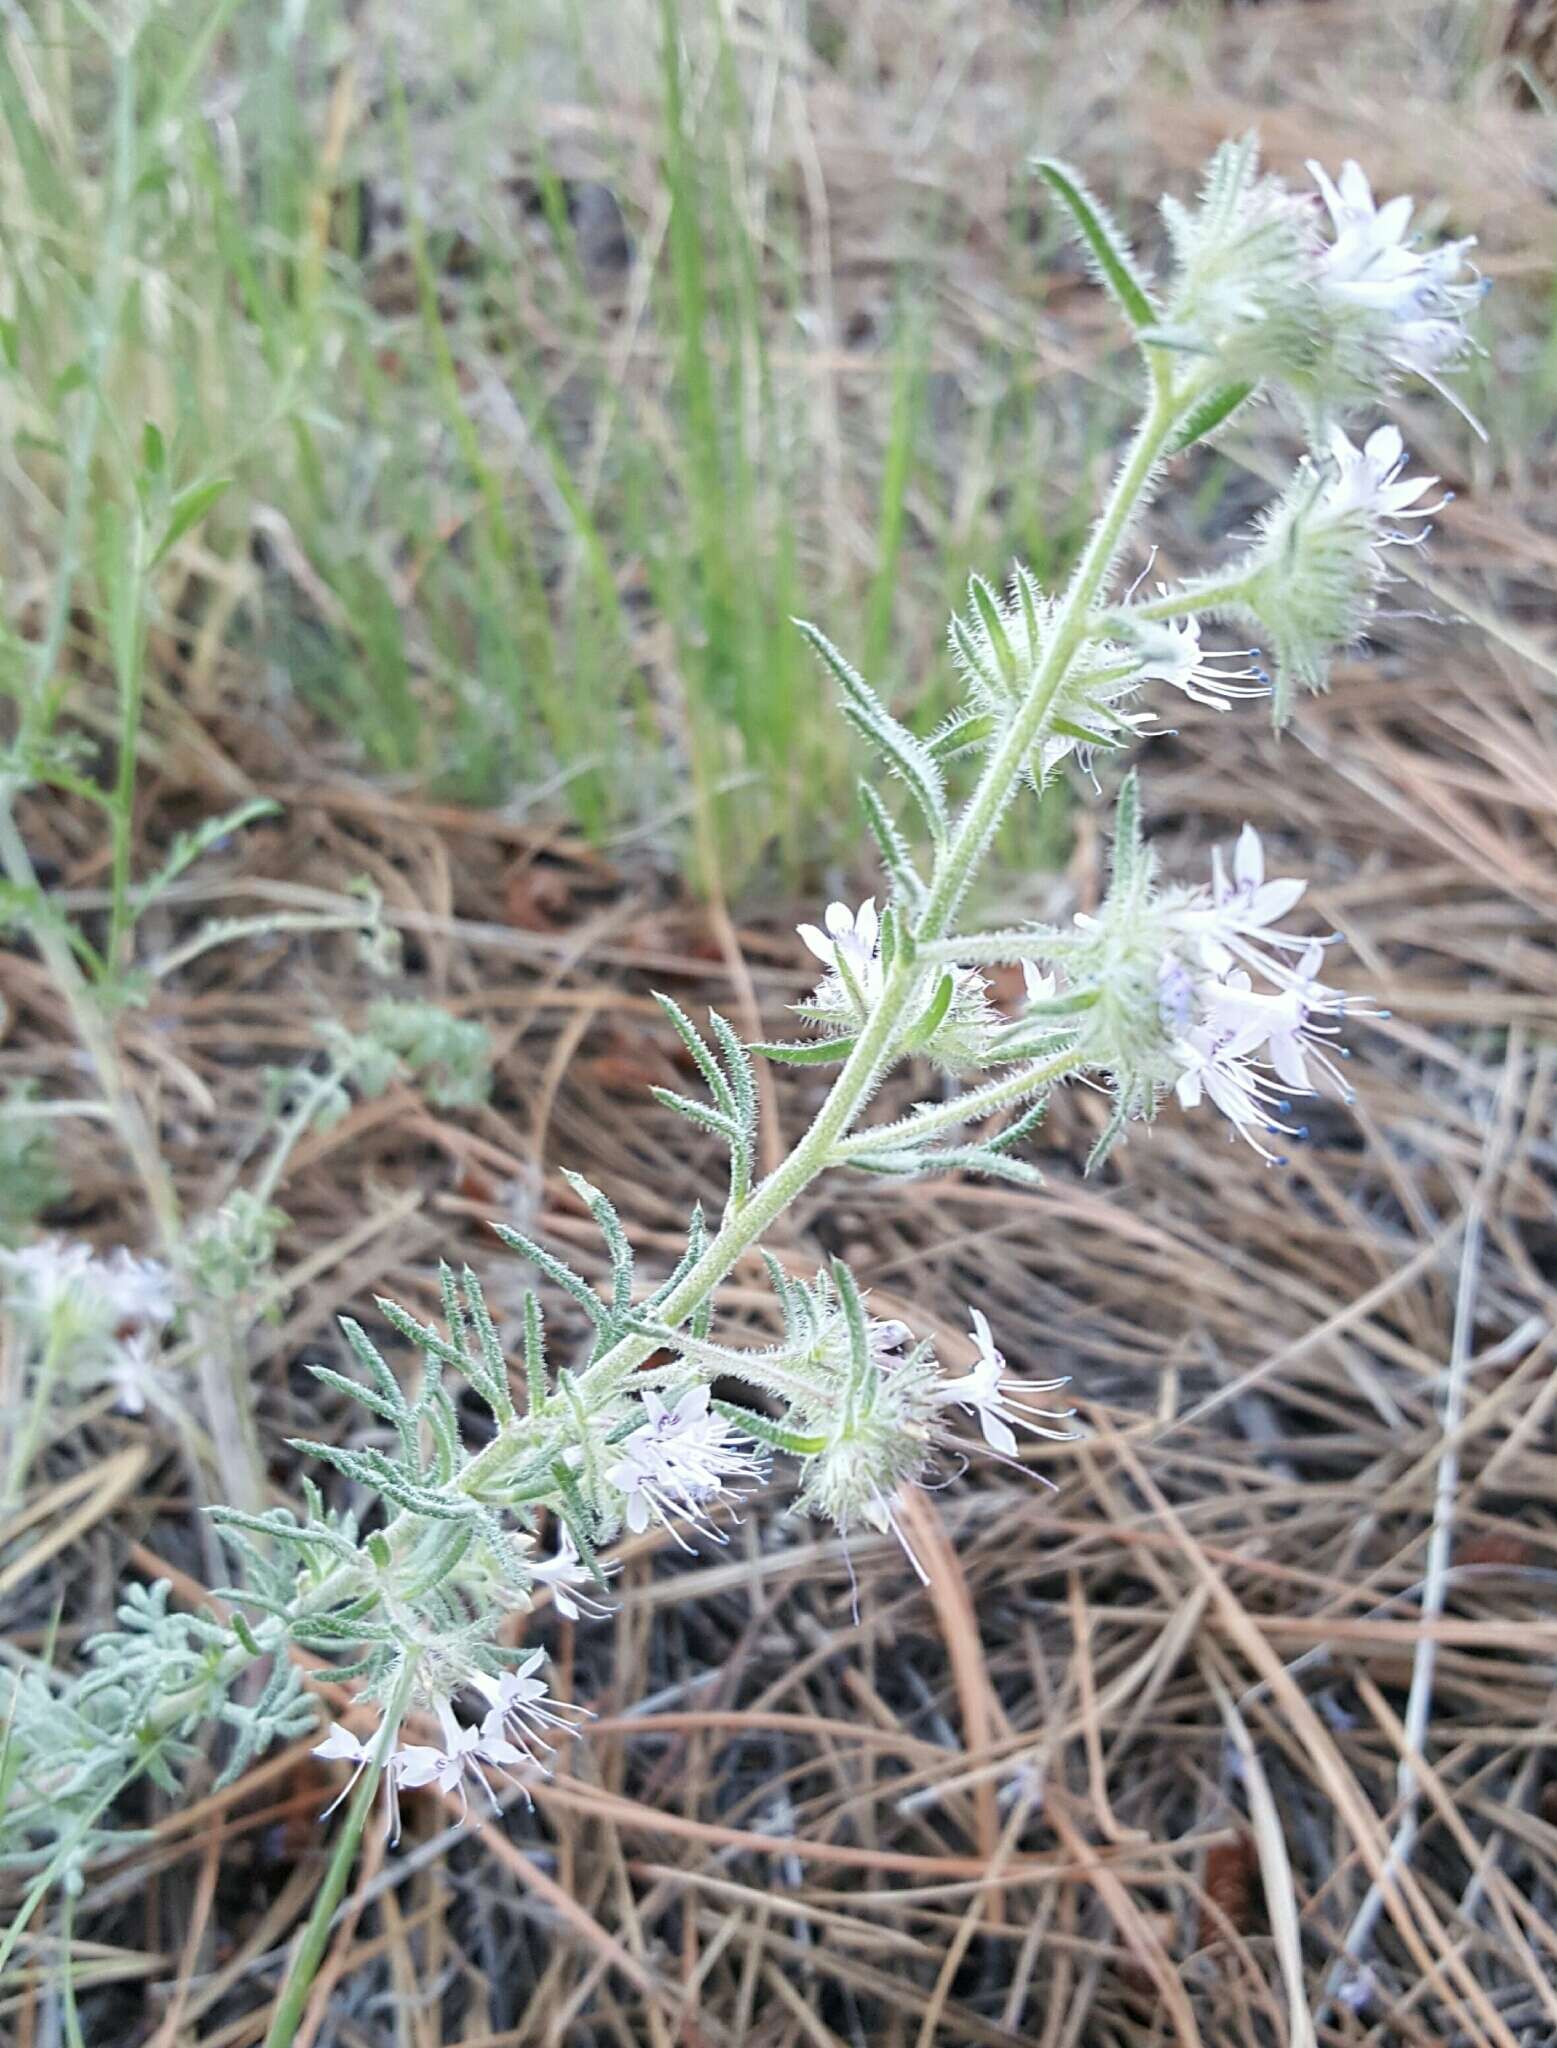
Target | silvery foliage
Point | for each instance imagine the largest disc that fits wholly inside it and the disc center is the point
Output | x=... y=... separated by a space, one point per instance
x=1167 y=989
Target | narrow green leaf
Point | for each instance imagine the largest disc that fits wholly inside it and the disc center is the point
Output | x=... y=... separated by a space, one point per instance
x=896 y=854
x=534 y=1351
x=987 y=605
x=935 y=1012
x=905 y=754
x=692 y=1039
x=699 y=1113
x=807 y=1052
x=1212 y=411
x=188 y=508
x=555 y=1271
x=1109 y=250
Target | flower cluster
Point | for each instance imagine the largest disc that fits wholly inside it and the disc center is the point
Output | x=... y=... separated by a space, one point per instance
x=677 y=1466
x=952 y=1031
x=999 y=644
x=1331 y=297
x=95 y=1320
x=511 y=1736
x=1199 y=991
x=1313 y=580
x=1396 y=305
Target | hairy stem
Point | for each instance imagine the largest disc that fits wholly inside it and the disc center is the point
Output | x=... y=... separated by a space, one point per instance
x=906 y=979
x=309 y=1954
x=966 y=1108
x=24 y=1444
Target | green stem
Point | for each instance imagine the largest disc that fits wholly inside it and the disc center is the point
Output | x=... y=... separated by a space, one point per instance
x=309 y=1954
x=24 y=1445
x=1193 y=598
x=93 y=1030
x=1003 y=769
x=966 y=1108
x=130 y=659
x=905 y=980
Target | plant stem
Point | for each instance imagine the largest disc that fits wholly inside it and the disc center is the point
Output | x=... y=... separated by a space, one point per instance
x=24 y=1444
x=1178 y=604
x=903 y=988
x=905 y=980
x=93 y=1030
x=309 y=1954
x=966 y=1108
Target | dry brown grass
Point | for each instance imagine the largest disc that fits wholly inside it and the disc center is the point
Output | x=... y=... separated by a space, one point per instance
x=1132 y=1770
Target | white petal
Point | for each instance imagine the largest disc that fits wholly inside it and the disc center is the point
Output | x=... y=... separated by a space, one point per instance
x=1394 y=218
x=1274 y=899
x=1355 y=189
x=1286 y=1056
x=839 y=920
x=340 y=1745
x=867 y=925
x=418 y=1765
x=817 y=941
x=1249 y=859
x=998 y=1433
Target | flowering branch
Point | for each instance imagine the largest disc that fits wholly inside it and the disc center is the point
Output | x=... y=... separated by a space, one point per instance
x=1201 y=993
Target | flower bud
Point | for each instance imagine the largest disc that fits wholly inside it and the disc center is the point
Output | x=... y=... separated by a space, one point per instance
x=1244 y=256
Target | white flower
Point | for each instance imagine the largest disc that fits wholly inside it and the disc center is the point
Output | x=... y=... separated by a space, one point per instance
x=987 y=1392
x=1291 y=1026
x=132 y=1372
x=1037 y=985
x=1234 y=1036
x=850 y=945
x=44 y=1277
x=1239 y=910
x=1171 y=653
x=140 y=1290
x=676 y=1465
x=565 y=1573
x=1235 y=1087
x=98 y=1294
x=1374 y=267
x=1368 y=480
x=341 y=1746
x=466 y=1752
x=520 y=1709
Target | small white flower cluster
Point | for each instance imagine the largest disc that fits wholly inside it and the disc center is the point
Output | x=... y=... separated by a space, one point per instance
x=1313 y=580
x=850 y=947
x=1003 y=636
x=511 y=1736
x=1232 y=1035
x=1330 y=295
x=1411 y=302
x=102 y=1317
x=1200 y=991
x=678 y=1464
x=869 y=1438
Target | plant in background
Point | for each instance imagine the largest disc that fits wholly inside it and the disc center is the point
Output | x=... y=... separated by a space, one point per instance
x=1169 y=988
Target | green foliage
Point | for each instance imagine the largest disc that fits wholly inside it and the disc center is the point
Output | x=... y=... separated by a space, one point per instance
x=31 y=1179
